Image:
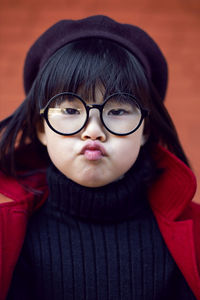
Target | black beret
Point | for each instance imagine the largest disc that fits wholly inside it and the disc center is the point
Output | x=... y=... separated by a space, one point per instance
x=131 y=37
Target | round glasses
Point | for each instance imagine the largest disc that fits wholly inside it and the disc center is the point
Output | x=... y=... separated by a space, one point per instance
x=67 y=113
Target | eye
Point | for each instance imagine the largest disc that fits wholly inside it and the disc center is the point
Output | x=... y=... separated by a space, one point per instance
x=118 y=112
x=70 y=111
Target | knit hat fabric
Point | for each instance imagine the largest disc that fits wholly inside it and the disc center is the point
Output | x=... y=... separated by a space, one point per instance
x=131 y=37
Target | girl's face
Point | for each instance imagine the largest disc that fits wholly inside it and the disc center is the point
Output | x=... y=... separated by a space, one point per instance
x=93 y=157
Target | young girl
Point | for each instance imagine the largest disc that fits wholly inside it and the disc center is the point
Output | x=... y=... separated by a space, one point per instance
x=95 y=187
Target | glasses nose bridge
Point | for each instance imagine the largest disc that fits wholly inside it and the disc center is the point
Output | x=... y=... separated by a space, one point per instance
x=99 y=107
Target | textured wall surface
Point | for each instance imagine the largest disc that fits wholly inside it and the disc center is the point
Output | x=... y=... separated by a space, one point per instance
x=174 y=24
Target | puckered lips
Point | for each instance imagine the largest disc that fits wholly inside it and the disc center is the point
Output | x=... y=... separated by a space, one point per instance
x=93 y=150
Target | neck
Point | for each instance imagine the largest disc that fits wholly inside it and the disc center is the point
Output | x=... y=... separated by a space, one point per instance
x=118 y=200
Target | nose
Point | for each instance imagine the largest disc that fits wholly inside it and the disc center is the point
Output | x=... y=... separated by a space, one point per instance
x=94 y=129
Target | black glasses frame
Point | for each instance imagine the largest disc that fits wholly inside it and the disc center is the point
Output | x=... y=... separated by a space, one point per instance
x=88 y=107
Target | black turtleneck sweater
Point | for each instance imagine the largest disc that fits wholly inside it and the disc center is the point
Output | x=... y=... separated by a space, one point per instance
x=96 y=244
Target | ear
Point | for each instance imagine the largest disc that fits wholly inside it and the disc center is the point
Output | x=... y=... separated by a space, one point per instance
x=41 y=134
x=144 y=139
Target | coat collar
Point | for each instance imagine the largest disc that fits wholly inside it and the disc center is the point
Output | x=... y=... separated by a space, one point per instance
x=168 y=196
x=175 y=188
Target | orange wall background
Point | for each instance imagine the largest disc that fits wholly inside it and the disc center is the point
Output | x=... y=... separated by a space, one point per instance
x=174 y=24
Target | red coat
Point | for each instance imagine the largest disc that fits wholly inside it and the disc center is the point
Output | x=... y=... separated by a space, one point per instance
x=170 y=198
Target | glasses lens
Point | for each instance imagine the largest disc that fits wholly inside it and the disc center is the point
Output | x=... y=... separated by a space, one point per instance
x=121 y=114
x=66 y=113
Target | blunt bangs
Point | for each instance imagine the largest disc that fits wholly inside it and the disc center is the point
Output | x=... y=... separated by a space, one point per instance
x=89 y=64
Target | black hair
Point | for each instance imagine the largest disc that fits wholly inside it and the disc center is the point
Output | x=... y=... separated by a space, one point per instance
x=81 y=67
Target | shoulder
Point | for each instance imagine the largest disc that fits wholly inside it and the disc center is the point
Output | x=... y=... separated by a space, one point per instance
x=17 y=201
x=25 y=193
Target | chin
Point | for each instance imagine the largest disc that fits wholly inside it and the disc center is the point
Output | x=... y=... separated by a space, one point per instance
x=93 y=182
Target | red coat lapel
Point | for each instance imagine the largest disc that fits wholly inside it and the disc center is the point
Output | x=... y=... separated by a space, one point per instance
x=179 y=238
x=16 y=205
x=169 y=198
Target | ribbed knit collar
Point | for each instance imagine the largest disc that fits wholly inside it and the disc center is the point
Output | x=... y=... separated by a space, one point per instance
x=116 y=201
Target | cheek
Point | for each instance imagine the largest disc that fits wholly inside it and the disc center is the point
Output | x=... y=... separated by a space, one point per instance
x=125 y=151
x=128 y=154
x=59 y=149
